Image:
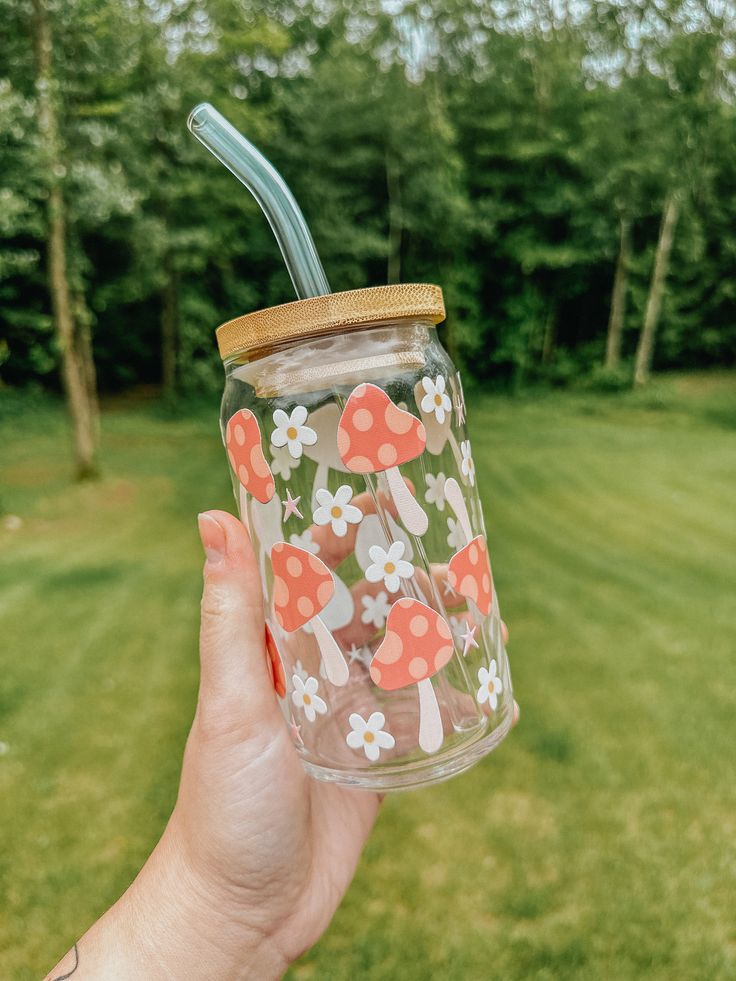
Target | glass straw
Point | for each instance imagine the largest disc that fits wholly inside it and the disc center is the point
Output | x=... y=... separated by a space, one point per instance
x=270 y=191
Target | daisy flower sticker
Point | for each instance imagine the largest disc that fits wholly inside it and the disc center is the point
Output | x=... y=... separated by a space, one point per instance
x=435 y=492
x=467 y=466
x=491 y=686
x=436 y=398
x=305 y=697
x=388 y=566
x=336 y=510
x=290 y=430
x=305 y=541
x=375 y=609
x=301 y=671
x=281 y=462
x=455 y=534
x=369 y=735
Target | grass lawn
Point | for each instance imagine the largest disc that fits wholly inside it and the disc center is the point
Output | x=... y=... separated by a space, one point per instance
x=598 y=842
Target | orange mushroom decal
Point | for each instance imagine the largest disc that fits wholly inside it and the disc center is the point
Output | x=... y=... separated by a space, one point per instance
x=302 y=588
x=469 y=572
x=243 y=442
x=418 y=644
x=375 y=436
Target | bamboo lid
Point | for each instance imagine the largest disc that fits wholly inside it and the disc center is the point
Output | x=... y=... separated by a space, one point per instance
x=320 y=314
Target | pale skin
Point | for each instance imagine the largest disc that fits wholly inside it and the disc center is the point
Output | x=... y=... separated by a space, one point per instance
x=256 y=856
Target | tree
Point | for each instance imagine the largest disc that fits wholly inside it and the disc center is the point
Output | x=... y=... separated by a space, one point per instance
x=645 y=348
x=73 y=337
x=617 y=315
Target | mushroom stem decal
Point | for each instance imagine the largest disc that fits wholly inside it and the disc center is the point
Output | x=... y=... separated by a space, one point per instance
x=324 y=422
x=469 y=571
x=418 y=643
x=302 y=588
x=376 y=436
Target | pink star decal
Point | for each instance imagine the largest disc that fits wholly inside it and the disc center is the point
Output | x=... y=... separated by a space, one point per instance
x=291 y=506
x=468 y=638
x=459 y=410
x=296 y=732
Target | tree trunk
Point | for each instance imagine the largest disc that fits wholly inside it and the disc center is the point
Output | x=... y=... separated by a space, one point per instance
x=83 y=322
x=645 y=348
x=77 y=376
x=169 y=330
x=618 y=296
x=550 y=335
x=395 y=218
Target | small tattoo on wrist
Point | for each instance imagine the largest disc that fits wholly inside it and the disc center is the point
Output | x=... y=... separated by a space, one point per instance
x=63 y=977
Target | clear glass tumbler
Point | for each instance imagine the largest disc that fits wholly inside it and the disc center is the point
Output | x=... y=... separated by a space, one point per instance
x=344 y=423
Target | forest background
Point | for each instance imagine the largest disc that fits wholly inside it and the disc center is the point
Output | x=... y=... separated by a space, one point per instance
x=563 y=169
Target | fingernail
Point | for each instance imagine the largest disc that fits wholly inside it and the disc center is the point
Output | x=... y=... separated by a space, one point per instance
x=214 y=541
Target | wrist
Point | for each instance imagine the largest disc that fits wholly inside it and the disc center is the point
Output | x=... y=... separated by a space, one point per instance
x=188 y=929
x=170 y=924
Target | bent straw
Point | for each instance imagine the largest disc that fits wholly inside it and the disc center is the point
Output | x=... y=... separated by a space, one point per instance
x=300 y=255
x=270 y=191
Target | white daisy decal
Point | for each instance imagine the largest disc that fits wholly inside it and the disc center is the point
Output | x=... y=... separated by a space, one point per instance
x=369 y=735
x=375 y=609
x=305 y=697
x=491 y=686
x=456 y=627
x=388 y=566
x=455 y=534
x=435 y=492
x=281 y=462
x=336 y=510
x=436 y=398
x=305 y=541
x=290 y=430
x=301 y=671
x=467 y=466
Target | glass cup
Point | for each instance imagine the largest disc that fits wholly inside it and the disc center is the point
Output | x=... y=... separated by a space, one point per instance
x=344 y=422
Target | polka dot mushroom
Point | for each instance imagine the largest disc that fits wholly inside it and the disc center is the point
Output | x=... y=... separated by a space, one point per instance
x=469 y=571
x=302 y=588
x=243 y=442
x=375 y=436
x=418 y=644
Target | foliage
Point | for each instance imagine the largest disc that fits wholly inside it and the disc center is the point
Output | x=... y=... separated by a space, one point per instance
x=489 y=147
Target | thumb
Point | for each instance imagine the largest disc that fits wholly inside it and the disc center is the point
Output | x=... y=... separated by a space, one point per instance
x=236 y=691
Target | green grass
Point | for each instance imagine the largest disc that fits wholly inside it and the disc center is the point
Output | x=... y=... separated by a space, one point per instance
x=598 y=842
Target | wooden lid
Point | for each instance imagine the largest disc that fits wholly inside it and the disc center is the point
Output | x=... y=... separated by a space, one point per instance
x=320 y=314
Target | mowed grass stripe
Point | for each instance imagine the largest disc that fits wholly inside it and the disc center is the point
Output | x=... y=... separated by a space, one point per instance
x=612 y=510
x=573 y=531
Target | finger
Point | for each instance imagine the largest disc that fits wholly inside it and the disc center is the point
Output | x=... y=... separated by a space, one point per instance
x=361 y=628
x=504 y=632
x=517 y=713
x=333 y=549
x=236 y=689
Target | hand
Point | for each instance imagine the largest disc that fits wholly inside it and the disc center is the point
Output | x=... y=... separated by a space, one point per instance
x=274 y=845
x=256 y=856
